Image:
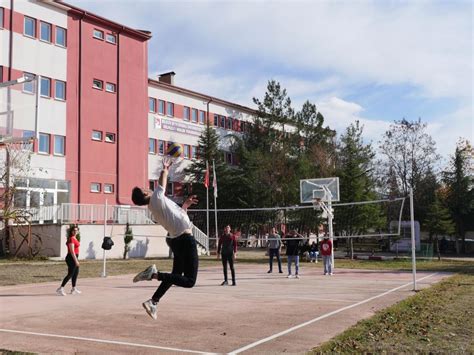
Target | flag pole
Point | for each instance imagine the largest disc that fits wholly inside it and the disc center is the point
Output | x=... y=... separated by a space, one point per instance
x=214 y=185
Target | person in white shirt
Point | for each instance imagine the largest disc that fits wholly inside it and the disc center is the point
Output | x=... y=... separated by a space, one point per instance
x=181 y=241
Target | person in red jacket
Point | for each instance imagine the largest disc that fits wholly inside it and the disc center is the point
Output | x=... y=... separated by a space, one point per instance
x=72 y=262
x=227 y=249
x=326 y=252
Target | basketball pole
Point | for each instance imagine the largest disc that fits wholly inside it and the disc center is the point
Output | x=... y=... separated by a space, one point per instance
x=104 y=272
x=331 y=232
x=413 y=243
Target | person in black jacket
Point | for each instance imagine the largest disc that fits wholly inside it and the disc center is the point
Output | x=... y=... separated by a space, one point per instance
x=293 y=243
x=227 y=248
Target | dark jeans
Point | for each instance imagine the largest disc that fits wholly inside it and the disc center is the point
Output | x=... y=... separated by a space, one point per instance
x=185 y=265
x=274 y=252
x=228 y=258
x=72 y=271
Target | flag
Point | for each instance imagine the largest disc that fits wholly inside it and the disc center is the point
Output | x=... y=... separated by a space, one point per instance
x=206 y=176
x=214 y=179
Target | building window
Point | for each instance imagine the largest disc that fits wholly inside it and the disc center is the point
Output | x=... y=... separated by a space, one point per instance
x=30 y=27
x=98 y=34
x=45 y=32
x=109 y=87
x=194 y=151
x=95 y=187
x=108 y=188
x=229 y=123
x=152 y=146
x=97 y=84
x=186 y=151
x=151 y=104
x=2 y=11
x=216 y=120
x=59 y=146
x=110 y=137
x=194 y=115
x=60 y=90
x=60 y=36
x=161 y=147
x=28 y=86
x=43 y=145
x=111 y=38
x=161 y=107
x=170 y=109
x=186 y=113
x=228 y=158
x=97 y=135
x=202 y=117
x=222 y=121
x=151 y=184
x=45 y=87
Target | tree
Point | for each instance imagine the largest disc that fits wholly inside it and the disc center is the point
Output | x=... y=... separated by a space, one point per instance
x=460 y=190
x=410 y=154
x=355 y=170
x=438 y=222
x=127 y=239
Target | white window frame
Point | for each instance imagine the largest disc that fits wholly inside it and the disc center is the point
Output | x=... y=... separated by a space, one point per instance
x=110 y=35
x=34 y=27
x=151 y=100
x=194 y=115
x=99 y=139
x=95 y=187
x=48 y=137
x=95 y=83
x=161 y=147
x=202 y=117
x=63 y=152
x=161 y=110
x=110 y=87
x=28 y=83
x=98 y=34
x=2 y=14
x=43 y=78
x=108 y=188
x=169 y=107
x=56 y=90
x=50 y=32
x=186 y=151
x=109 y=137
x=186 y=113
x=58 y=29
x=150 y=141
x=194 y=150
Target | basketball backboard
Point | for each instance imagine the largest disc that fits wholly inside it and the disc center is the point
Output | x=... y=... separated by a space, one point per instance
x=18 y=109
x=315 y=188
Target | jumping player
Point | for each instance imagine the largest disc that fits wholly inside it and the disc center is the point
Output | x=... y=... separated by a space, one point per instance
x=181 y=241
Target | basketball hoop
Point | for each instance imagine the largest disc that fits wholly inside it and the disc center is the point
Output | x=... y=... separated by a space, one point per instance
x=19 y=153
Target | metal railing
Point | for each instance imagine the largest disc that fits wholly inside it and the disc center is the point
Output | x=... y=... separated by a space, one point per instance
x=201 y=238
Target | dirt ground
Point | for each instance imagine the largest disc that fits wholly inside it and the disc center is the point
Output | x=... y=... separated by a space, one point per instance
x=264 y=313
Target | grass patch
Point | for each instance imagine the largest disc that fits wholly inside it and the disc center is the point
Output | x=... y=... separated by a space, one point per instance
x=438 y=320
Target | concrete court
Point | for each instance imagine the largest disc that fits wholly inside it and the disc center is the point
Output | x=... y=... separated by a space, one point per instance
x=264 y=313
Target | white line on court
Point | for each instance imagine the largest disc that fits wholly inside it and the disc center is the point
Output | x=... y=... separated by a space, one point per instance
x=277 y=335
x=105 y=341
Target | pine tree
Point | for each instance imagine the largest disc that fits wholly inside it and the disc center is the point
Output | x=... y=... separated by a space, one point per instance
x=438 y=222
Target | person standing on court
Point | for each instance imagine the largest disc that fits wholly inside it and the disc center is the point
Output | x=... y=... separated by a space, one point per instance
x=326 y=252
x=181 y=241
x=274 y=245
x=293 y=244
x=72 y=262
x=227 y=249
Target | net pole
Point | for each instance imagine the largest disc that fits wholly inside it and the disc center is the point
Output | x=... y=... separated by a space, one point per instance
x=104 y=272
x=331 y=232
x=413 y=244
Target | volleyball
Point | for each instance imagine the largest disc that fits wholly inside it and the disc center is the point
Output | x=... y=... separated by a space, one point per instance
x=174 y=150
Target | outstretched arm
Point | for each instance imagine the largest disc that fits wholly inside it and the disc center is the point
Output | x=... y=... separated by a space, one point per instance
x=164 y=173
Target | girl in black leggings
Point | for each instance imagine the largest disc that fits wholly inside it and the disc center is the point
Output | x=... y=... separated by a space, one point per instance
x=72 y=263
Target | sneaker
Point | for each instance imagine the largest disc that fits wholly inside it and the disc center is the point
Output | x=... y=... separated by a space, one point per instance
x=75 y=291
x=146 y=274
x=330 y=274
x=325 y=273
x=290 y=276
x=224 y=283
x=150 y=308
x=297 y=276
x=269 y=271
x=281 y=272
x=234 y=284
x=60 y=291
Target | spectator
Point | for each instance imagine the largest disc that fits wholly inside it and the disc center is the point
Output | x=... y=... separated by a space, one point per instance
x=326 y=252
x=274 y=246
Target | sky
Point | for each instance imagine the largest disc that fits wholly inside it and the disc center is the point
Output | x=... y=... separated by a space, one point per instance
x=374 y=61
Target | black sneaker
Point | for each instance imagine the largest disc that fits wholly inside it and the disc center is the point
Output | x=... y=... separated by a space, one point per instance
x=224 y=283
x=269 y=271
x=234 y=284
x=281 y=272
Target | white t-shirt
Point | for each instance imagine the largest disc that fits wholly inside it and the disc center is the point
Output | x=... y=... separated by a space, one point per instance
x=167 y=213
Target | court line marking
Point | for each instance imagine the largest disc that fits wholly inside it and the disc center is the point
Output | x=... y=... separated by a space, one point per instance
x=289 y=330
x=105 y=341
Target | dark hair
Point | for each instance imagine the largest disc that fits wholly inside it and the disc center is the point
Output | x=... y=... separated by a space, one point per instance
x=138 y=197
